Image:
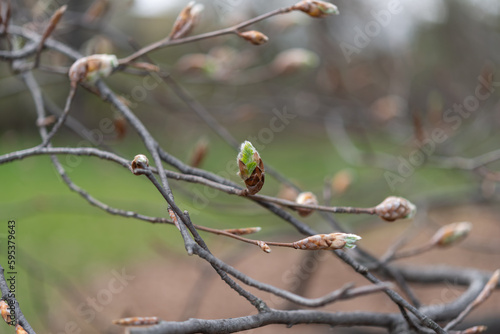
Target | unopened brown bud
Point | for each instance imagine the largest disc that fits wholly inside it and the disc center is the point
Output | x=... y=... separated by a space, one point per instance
x=306 y=198
x=140 y=161
x=243 y=231
x=255 y=37
x=316 y=9
x=20 y=329
x=137 y=321
x=328 y=241
x=394 y=208
x=265 y=247
x=120 y=124
x=452 y=233
x=5 y=311
x=186 y=20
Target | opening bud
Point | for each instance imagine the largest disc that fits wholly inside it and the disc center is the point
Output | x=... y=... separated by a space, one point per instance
x=251 y=167
x=140 y=161
x=452 y=233
x=92 y=68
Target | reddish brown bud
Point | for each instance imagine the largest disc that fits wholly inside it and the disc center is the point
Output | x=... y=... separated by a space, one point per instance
x=393 y=208
x=20 y=329
x=186 y=20
x=306 y=198
x=265 y=247
x=199 y=153
x=255 y=37
x=5 y=311
x=120 y=126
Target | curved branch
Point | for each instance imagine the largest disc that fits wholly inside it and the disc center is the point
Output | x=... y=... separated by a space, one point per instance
x=289 y=318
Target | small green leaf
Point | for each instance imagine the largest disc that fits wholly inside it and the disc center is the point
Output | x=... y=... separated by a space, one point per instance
x=246 y=155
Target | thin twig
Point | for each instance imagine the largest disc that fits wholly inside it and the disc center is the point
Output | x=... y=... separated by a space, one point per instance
x=483 y=295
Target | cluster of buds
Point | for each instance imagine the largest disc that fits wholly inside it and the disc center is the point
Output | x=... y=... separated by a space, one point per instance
x=451 y=234
x=243 y=231
x=92 y=67
x=5 y=312
x=251 y=168
x=393 y=208
x=186 y=20
x=316 y=9
x=137 y=321
x=253 y=36
x=140 y=161
x=328 y=241
x=306 y=198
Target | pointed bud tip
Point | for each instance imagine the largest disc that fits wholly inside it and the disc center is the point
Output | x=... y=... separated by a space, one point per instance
x=255 y=37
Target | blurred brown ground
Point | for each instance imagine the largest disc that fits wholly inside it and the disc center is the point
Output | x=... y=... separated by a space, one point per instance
x=172 y=289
